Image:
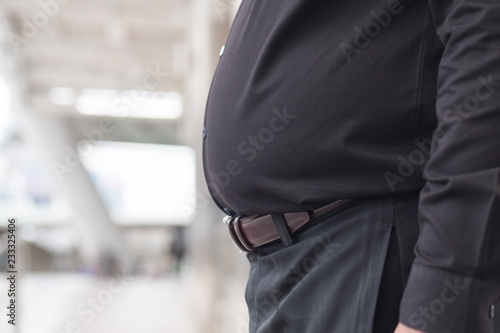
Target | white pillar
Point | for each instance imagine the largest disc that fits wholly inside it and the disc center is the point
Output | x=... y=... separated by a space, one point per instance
x=99 y=235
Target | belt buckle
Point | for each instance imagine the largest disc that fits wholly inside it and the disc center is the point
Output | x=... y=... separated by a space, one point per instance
x=233 y=224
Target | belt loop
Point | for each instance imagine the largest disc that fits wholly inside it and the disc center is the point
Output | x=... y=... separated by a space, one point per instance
x=280 y=224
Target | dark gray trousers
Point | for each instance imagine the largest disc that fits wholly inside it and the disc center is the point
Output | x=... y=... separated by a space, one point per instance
x=345 y=272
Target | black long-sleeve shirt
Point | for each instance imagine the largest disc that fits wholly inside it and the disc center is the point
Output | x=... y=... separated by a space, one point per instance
x=315 y=100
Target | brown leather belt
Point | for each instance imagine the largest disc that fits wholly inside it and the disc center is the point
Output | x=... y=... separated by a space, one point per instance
x=250 y=232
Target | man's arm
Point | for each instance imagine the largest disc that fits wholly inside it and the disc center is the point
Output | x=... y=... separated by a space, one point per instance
x=456 y=274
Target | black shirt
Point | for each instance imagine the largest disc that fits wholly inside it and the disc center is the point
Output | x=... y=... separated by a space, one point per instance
x=314 y=101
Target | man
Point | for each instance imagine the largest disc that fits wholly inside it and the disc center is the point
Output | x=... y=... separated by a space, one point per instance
x=340 y=135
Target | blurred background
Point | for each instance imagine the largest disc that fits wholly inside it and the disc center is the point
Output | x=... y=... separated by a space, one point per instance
x=101 y=113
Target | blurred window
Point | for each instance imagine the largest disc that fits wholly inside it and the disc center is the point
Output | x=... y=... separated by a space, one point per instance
x=144 y=183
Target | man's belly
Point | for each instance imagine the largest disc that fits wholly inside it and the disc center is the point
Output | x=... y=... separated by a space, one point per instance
x=299 y=116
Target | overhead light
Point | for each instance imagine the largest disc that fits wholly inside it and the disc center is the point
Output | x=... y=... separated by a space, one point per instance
x=130 y=103
x=95 y=101
x=62 y=95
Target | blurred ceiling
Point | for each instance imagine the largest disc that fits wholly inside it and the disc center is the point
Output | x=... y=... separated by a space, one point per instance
x=100 y=44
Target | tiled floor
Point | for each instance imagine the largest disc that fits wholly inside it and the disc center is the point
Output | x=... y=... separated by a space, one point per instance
x=52 y=303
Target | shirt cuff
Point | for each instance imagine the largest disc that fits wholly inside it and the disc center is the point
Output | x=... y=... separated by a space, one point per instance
x=437 y=301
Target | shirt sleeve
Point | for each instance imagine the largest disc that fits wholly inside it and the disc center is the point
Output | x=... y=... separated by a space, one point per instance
x=455 y=278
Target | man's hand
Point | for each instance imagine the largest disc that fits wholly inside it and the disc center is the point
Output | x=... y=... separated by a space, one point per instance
x=405 y=329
